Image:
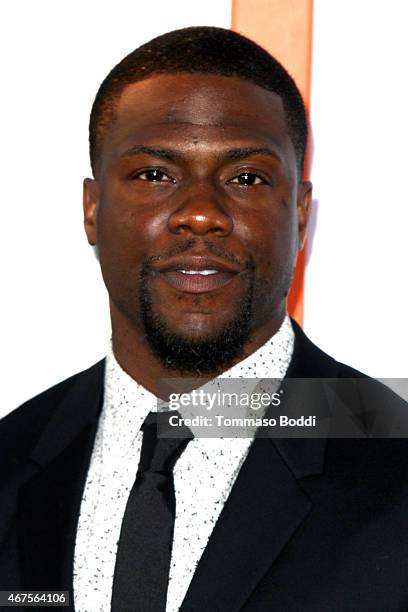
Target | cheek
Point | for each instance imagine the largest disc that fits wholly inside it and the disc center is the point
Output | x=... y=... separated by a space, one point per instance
x=121 y=245
x=272 y=238
x=275 y=251
x=124 y=232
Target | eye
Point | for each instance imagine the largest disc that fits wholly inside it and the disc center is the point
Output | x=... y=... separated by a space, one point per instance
x=247 y=179
x=153 y=175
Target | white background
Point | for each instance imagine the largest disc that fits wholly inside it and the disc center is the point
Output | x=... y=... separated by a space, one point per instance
x=54 y=310
x=356 y=285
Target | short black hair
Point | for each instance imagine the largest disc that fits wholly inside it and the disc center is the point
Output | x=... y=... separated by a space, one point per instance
x=202 y=49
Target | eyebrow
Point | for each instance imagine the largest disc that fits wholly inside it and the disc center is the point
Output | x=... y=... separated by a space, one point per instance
x=153 y=151
x=241 y=153
x=172 y=154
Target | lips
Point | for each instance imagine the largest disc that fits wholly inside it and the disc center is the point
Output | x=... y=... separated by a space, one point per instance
x=197 y=274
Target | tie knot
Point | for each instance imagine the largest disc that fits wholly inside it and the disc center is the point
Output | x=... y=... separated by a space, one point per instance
x=159 y=454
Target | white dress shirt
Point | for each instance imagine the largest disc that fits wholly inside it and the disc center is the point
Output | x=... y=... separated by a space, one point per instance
x=203 y=478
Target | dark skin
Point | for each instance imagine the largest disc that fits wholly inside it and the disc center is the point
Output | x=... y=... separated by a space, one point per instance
x=197 y=171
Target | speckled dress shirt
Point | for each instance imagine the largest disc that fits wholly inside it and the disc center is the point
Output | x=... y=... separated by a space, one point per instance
x=203 y=479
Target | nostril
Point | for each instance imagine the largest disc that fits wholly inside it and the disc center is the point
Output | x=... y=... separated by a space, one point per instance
x=199 y=216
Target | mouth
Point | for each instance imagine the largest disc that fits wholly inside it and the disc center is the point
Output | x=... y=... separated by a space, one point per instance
x=197 y=274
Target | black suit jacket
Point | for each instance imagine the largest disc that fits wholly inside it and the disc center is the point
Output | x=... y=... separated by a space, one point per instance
x=310 y=524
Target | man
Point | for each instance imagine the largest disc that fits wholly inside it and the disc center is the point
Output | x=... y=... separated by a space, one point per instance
x=197 y=210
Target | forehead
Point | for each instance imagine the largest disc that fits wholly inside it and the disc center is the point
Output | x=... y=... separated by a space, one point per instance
x=199 y=109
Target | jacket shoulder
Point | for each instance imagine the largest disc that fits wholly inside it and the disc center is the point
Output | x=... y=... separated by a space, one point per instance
x=309 y=361
x=21 y=428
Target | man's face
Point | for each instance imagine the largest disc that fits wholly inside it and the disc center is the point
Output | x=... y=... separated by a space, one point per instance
x=198 y=212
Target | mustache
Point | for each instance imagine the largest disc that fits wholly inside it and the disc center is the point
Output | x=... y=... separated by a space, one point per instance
x=190 y=243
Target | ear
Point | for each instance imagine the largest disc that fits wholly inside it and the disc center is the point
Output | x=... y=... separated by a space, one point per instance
x=90 y=203
x=304 y=205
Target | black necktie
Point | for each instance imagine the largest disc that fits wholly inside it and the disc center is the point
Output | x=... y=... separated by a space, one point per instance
x=144 y=549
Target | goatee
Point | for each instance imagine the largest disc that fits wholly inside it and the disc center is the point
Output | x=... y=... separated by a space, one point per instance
x=209 y=355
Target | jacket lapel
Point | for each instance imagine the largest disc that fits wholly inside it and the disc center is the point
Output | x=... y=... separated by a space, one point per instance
x=49 y=503
x=265 y=507
x=262 y=512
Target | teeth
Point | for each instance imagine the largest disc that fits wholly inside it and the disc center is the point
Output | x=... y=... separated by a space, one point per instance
x=202 y=272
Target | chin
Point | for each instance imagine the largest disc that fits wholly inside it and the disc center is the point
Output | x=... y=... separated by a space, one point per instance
x=196 y=346
x=195 y=342
x=196 y=328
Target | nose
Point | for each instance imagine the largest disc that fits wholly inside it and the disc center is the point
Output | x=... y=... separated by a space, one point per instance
x=201 y=212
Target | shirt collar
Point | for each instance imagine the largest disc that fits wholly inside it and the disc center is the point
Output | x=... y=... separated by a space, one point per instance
x=127 y=403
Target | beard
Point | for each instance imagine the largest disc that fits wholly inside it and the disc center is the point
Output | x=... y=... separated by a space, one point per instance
x=208 y=355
